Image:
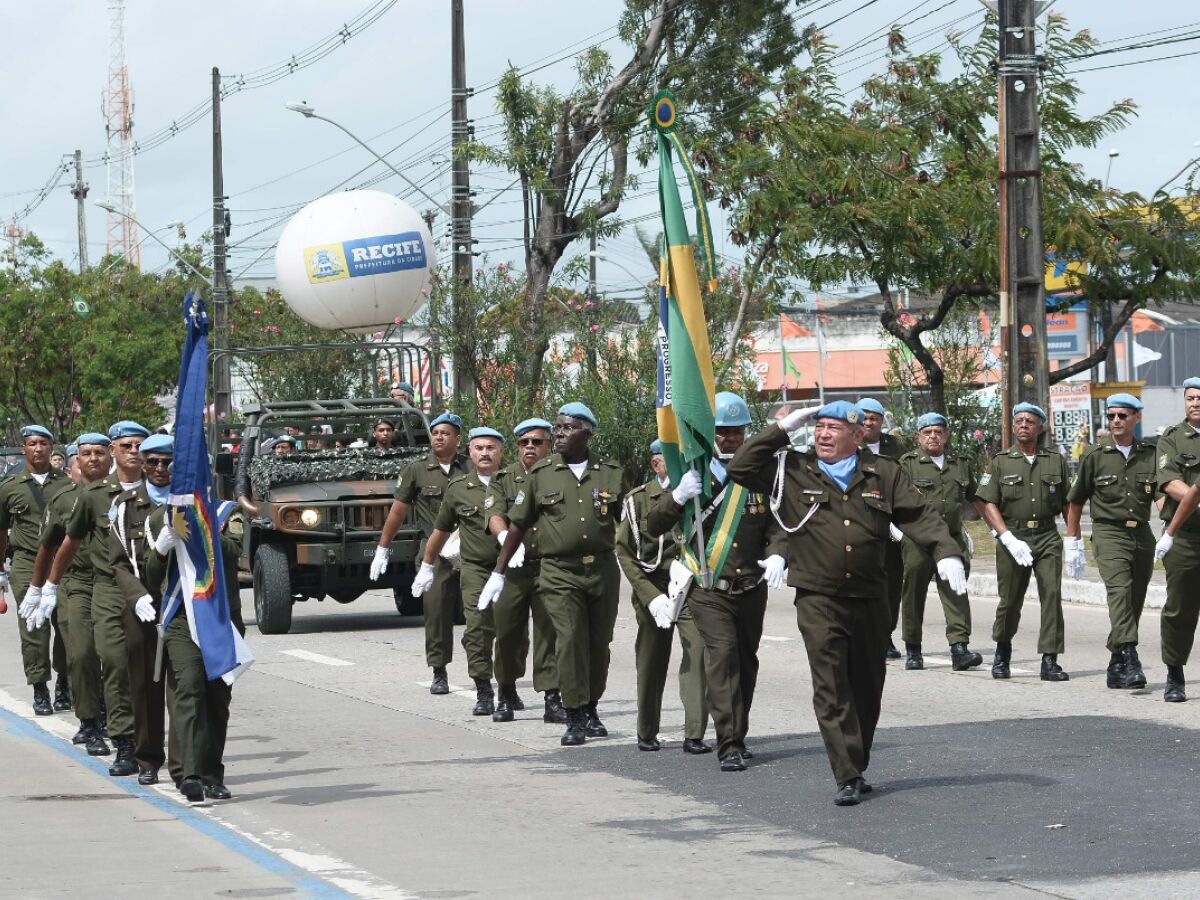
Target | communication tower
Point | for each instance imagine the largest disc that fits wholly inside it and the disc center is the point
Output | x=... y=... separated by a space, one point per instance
x=118 y=125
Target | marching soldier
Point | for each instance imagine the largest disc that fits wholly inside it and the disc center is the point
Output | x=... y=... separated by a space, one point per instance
x=23 y=501
x=646 y=562
x=521 y=599
x=1178 y=471
x=464 y=507
x=836 y=502
x=888 y=446
x=421 y=486
x=1117 y=476
x=946 y=482
x=1024 y=491
x=574 y=500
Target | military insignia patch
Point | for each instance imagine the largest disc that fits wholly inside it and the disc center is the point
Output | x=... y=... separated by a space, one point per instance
x=1162 y=461
x=519 y=499
x=852 y=416
x=985 y=478
x=489 y=502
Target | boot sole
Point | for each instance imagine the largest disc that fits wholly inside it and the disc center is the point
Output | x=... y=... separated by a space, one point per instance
x=1002 y=676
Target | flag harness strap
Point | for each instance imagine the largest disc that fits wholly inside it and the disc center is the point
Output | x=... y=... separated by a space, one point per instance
x=777 y=496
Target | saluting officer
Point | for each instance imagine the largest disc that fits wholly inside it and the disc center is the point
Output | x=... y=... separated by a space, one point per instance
x=646 y=562
x=836 y=503
x=574 y=499
x=1024 y=491
x=889 y=447
x=521 y=599
x=1117 y=476
x=464 y=507
x=946 y=481
x=23 y=501
x=1178 y=471
x=421 y=487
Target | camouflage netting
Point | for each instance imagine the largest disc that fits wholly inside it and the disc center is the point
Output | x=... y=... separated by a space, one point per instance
x=329 y=465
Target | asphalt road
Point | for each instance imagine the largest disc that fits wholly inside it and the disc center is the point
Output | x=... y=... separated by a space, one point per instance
x=350 y=779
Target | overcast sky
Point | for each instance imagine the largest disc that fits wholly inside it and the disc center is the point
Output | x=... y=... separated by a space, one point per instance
x=391 y=84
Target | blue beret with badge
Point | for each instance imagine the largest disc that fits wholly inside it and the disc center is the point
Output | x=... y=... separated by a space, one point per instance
x=158 y=443
x=447 y=418
x=530 y=425
x=656 y=447
x=92 y=437
x=842 y=410
x=1124 y=401
x=127 y=428
x=483 y=432
x=36 y=431
x=871 y=405
x=1029 y=408
x=1192 y=382
x=930 y=419
x=403 y=386
x=577 y=410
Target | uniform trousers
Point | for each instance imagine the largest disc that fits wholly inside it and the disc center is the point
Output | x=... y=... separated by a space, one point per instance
x=1013 y=580
x=894 y=566
x=581 y=596
x=479 y=637
x=1125 y=558
x=438 y=605
x=1182 y=609
x=652 y=652
x=146 y=695
x=919 y=569
x=83 y=663
x=44 y=648
x=109 y=609
x=200 y=708
x=519 y=602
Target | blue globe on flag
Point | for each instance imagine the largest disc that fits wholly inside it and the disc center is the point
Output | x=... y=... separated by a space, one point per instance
x=82 y=308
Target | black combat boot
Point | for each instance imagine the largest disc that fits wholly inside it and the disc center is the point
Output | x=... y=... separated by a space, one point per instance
x=62 y=694
x=1051 y=670
x=915 y=660
x=1003 y=658
x=575 y=733
x=92 y=741
x=80 y=737
x=963 y=657
x=555 y=714
x=484 y=698
x=1116 y=669
x=504 y=703
x=892 y=652
x=1175 y=692
x=592 y=725
x=124 y=763
x=41 y=700
x=1134 y=676
x=440 y=683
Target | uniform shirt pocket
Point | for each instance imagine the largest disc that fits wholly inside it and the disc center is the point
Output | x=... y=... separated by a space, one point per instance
x=1011 y=486
x=1052 y=485
x=551 y=504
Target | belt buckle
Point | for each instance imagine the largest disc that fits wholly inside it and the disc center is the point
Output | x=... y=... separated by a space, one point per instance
x=587 y=560
x=722 y=584
x=1032 y=524
x=1131 y=523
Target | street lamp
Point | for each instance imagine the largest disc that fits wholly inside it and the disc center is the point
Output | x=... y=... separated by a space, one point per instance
x=309 y=113
x=1112 y=154
x=612 y=262
x=108 y=207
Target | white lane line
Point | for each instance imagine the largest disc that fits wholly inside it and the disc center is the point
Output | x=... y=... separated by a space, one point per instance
x=454 y=688
x=771 y=637
x=317 y=658
x=936 y=661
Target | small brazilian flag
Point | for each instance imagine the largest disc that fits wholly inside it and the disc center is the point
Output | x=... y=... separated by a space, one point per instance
x=82 y=308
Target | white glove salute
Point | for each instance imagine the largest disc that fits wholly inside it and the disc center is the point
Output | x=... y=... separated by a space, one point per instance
x=660 y=609
x=1161 y=549
x=951 y=571
x=144 y=609
x=423 y=579
x=491 y=591
x=166 y=540
x=896 y=533
x=689 y=486
x=380 y=563
x=774 y=570
x=33 y=596
x=1018 y=549
x=518 y=557
x=1074 y=560
x=797 y=417
x=45 y=608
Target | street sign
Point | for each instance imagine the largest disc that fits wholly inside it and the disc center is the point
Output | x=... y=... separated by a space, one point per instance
x=1070 y=407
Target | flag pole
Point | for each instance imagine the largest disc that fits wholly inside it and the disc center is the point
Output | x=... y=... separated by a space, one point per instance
x=783 y=359
x=706 y=579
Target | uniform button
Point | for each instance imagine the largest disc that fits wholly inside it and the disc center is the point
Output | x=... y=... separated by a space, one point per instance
x=582 y=519
x=845 y=497
x=735 y=543
x=847 y=574
x=846 y=522
x=580 y=499
x=848 y=548
x=585 y=537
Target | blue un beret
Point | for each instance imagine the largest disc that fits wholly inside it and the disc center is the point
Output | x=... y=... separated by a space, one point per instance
x=656 y=447
x=483 y=432
x=92 y=437
x=578 y=410
x=842 y=410
x=1192 y=382
x=930 y=419
x=1128 y=401
x=36 y=431
x=126 y=428
x=447 y=418
x=530 y=424
x=871 y=405
x=403 y=386
x=1029 y=408
x=158 y=443
x=72 y=449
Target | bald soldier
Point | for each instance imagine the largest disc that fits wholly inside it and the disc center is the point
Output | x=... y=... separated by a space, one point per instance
x=888 y=446
x=836 y=502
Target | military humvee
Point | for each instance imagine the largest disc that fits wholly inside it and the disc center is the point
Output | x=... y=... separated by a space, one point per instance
x=314 y=515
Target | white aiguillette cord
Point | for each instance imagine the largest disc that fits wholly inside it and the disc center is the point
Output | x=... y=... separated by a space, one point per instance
x=631 y=517
x=777 y=496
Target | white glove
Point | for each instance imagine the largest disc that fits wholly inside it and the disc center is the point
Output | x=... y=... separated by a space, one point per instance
x=491 y=591
x=1074 y=560
x=774 y=570
x=797 y=417
x=144 y=609
x=1161 y=549
x=380 y=563
x=518 y=557
x=33 y=597
x=970 y=543
x=423 y=579
x=660 y=609
x=166 y=541
x=689 y=486
x=1018 y=549
x=951 y=571
x=896 y=533
x=45 y=608
x=3 y=581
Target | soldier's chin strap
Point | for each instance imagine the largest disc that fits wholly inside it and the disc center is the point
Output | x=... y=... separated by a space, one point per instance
x=777 y=496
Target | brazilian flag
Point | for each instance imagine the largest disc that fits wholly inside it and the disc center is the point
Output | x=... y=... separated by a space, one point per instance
x=81 y=307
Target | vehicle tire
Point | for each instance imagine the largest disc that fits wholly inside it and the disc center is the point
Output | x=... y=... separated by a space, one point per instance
x=406 y=603
x=272 y=590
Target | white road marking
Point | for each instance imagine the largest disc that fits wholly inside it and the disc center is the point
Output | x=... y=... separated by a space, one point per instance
x=771 y=637
x=936 y=661
x=317 y=658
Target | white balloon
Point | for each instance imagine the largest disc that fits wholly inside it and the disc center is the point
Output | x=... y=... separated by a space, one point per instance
x=356 y=261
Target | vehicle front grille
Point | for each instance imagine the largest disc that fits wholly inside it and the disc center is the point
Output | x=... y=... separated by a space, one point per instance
x=366 y=517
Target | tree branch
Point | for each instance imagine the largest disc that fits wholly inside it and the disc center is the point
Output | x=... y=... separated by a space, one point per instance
x=1131 y=305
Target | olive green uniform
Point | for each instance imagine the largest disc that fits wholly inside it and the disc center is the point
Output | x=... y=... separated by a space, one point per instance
x=1179 y=460
x=89 y=523
x=945 y=489
x=1121 y=491
x=646 y=562
x=1030 y=497
x=422 y=485
x=579 y=579
x=464 y=506
x=837 y=564
x=521 y=600
x=23 y=505
x=890 y=447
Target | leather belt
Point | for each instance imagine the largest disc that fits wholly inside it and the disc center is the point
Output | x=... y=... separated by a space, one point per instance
x=1030 y=525
x=737 y=585
x=1121 y=523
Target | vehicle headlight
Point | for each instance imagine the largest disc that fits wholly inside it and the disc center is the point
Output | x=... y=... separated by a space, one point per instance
x=310 y=517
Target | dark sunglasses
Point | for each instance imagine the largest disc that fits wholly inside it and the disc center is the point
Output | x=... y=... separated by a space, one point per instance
x=531 y=442
x=156 y=463
x=1118 y=415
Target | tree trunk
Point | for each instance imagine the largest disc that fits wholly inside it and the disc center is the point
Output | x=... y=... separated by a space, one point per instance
x=533 y=337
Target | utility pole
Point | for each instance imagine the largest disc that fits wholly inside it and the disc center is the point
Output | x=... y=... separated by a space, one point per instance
x=220 y=287
x=79 y=191
x=592 y=265
x=1022 y=248
x=460 y=196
